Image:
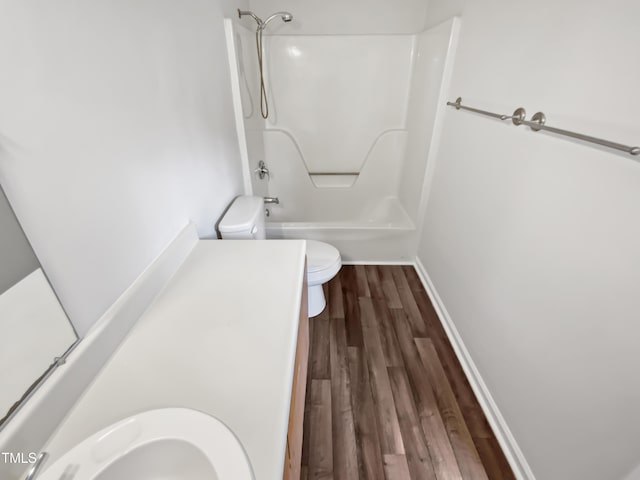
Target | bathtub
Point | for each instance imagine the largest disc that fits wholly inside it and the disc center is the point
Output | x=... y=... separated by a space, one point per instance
x=381 y=232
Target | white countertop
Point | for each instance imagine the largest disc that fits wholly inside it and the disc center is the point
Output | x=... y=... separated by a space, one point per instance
x=221 y=339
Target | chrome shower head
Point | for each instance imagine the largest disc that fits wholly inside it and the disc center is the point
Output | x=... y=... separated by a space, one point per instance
x=284 y=16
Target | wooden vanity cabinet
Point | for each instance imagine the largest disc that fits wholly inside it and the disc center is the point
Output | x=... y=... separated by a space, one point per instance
x=293 y=454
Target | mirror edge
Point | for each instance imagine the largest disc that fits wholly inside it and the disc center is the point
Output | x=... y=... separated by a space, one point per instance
x=57 y=362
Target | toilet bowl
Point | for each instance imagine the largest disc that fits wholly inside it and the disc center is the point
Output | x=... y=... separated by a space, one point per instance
x=244 y=219
x=323 y=263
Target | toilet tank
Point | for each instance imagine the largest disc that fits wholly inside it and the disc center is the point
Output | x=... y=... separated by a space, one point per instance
x=244 y=219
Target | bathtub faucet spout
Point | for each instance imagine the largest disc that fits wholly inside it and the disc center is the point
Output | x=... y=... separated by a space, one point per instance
x=272 y=200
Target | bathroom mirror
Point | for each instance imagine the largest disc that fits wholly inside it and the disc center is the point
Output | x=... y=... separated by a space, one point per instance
x=34 y=329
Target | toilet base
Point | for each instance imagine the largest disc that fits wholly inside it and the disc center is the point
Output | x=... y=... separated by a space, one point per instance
x=316 y=300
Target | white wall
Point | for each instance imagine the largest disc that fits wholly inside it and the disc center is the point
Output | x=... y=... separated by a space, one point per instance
x=230 y=7
x=116 y=129
x=328 y=17
x=532 y=240
x=634 y=474
x=440 y=10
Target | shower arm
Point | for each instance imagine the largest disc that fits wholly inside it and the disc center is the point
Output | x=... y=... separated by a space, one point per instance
x=258 y=20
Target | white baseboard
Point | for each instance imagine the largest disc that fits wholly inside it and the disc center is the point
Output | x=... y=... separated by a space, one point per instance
x=369 y=262
x=515 y=457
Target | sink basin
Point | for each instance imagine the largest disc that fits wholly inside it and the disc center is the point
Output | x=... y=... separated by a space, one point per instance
x=165 y=444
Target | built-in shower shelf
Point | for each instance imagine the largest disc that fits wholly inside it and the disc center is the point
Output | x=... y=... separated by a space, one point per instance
x=334 y=179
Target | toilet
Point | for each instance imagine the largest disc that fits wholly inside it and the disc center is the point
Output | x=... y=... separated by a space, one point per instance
x=244 y=219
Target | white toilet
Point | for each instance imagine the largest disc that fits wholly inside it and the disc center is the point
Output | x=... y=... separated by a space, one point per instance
x=245 y=220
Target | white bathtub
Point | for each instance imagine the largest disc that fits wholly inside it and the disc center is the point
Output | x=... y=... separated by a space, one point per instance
x=379 y=233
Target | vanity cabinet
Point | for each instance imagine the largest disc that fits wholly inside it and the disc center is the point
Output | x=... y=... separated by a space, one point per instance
x=293 y=453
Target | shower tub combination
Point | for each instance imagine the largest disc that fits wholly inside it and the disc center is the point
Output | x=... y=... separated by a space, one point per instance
x=348 y=131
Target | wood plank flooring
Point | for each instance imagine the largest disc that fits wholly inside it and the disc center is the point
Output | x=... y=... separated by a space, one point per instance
x=386 y=396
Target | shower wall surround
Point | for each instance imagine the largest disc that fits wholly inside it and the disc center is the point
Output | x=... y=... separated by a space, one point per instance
x=348 y=135
x=434 y=52
x=340 y=99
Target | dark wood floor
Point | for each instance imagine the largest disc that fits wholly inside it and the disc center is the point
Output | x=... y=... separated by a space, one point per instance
x=386 y=396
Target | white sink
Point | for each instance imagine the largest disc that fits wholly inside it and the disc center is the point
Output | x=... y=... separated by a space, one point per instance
x=165 y=444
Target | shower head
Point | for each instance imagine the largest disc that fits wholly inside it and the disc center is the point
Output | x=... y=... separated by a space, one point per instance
x=284 y=16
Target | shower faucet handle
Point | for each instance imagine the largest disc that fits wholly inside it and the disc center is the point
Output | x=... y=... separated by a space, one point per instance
x=262 y=170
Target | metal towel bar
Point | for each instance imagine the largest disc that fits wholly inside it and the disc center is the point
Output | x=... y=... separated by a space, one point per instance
x=537 y=123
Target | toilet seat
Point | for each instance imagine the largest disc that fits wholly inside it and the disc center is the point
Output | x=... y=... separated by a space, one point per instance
x=323 y=262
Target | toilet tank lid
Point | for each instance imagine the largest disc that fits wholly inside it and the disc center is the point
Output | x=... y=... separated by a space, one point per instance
x=242 y=214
